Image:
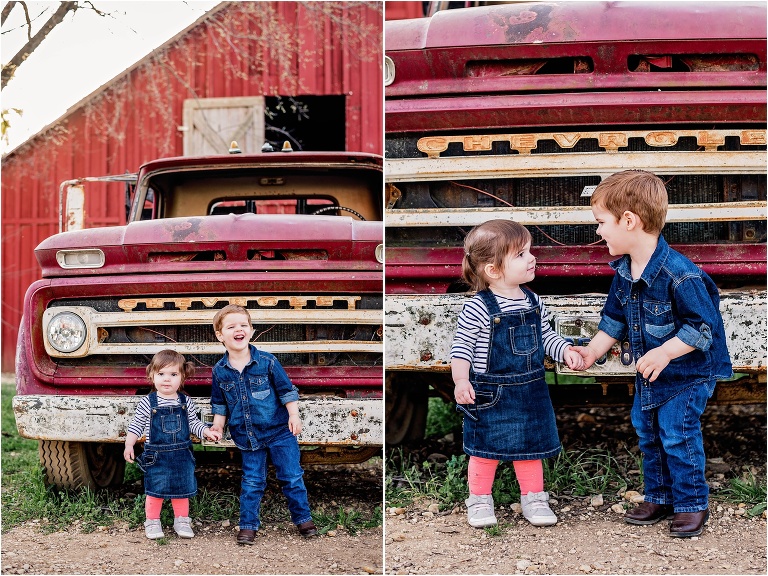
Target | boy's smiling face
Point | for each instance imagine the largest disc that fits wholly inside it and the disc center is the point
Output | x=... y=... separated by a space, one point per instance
x=236 y=331
x=615 y=232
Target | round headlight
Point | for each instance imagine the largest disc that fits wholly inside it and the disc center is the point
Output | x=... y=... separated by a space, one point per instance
x=389 y=71
x=380 y=253
x=66 y=332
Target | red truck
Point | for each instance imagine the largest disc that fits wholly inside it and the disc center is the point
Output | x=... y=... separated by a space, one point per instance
x=518 y=110
x=203 y=232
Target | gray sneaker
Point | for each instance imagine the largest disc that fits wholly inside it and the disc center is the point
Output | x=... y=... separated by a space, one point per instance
x=153 y=529
x=480 y=511
x=182 y=527
x=536 y=509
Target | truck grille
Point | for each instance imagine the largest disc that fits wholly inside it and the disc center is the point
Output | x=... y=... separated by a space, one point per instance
x=327 y=330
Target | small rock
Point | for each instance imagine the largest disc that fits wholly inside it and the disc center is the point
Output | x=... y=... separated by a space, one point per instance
x=434 y=508
x=178 y=563
x=740 y=512
x=370 y=570
x=399 y=511
x=596 y=501
x=437 y=458
x=554 y=501
x=427 y=514
x=523 y=564
x=516 y=508
x=586 y=568
x=331 y=533
x=225 y=523
x=565 y=509
x=630 y=493
x=618 y=508
x=637 y=498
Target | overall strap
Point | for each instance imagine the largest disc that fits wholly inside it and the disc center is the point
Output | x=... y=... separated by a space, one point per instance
x=490 y=302
x=182 y=400
x=153 y=399
x=532 y=297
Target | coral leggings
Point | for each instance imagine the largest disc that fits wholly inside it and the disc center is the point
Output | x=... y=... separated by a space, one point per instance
x=482 y=471
x=153 y=506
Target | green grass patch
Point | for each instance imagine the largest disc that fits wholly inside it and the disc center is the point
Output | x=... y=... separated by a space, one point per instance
x=346 y=519
x=748 y=490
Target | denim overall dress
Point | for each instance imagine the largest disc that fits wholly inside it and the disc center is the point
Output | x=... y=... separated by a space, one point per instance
x=512 y=417
x=167 y=460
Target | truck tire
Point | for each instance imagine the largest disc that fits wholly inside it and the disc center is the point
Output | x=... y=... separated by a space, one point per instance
x=82 y=464
x=406 y=402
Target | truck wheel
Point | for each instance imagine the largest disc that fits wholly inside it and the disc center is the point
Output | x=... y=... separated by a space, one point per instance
x=82 y=464
x=406 y=404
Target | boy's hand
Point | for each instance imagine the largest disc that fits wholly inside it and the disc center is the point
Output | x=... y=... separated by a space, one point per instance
x=573 y=359
x=587 y=355
x=128 y=454
x=210 y=434
x=652 y=363
x=464 y=393
x=294 y=424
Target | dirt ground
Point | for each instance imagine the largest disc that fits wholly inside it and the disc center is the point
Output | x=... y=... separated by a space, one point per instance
x=594 y=539
x=279 y=549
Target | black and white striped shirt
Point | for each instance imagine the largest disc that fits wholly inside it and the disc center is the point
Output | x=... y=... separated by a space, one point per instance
x=140 y=423
x=474 y=330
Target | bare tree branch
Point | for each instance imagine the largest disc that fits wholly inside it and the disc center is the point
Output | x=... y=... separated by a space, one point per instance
x=7 y=11
x=10 y=68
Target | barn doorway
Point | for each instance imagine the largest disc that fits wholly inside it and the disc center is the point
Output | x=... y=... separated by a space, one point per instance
x=310 y=123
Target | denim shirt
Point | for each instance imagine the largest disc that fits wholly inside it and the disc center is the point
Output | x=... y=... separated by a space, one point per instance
x=673 y=297
x=253 y=400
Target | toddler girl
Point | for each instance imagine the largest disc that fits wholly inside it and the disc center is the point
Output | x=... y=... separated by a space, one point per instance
x=165 y=417
x=497 y=364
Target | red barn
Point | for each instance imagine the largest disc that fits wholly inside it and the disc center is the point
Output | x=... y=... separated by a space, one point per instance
x=307 y=72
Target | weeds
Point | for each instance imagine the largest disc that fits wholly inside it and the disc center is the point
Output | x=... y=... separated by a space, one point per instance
x=747 y=490
x=349 y=520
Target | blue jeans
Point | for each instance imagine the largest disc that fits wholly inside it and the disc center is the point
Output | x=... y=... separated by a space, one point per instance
x=284 y=452
x=673 y=449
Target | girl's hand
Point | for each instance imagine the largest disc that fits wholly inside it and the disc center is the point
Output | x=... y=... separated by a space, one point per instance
x=128 y=454
x=464 y=393
x=213 y=435
x=294 y=424
x=573 y=359
x=587 y=354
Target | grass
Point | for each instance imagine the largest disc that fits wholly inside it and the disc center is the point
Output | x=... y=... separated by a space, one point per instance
x=573 y=473
x=25 y=496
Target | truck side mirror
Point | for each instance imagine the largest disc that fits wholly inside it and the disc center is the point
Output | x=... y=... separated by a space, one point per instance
x=75 y=207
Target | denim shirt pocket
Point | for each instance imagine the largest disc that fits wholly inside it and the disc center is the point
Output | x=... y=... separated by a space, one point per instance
x=263 y=401
x=171 y=423
x=524 y=339
x=658 y=318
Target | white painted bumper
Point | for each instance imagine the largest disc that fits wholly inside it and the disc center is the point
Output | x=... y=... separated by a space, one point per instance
x=327 y=420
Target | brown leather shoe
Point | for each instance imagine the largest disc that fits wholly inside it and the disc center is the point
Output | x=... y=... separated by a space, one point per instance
x=246 y=536
x=307 y=529
x=687 y=524
x=648 y=513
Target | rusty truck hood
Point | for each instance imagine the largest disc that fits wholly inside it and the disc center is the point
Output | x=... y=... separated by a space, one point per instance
x=220 y=243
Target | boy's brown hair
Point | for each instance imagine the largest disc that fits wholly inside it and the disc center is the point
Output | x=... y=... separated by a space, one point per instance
x=169 y=357
x=218 y=319
x=637 y=191
x=489 y=243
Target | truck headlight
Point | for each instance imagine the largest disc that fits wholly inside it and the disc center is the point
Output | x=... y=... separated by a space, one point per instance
x=66 y=332
x=89 y=258
x=380 y=253
x=389 y=71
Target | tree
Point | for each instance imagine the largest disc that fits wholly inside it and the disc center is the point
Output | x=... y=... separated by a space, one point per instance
x=33 y=41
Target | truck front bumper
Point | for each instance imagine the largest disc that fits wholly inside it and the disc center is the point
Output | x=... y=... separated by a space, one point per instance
x=327 y=420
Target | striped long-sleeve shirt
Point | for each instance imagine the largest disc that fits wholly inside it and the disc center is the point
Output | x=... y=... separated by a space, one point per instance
x=140 y=423
x=474 y=329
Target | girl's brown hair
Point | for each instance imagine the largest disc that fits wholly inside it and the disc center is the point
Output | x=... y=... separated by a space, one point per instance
x=489 y=243
x=169 y=358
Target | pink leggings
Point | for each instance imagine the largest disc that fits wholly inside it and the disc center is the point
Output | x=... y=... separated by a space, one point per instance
x=153 y=506
x=482 y=471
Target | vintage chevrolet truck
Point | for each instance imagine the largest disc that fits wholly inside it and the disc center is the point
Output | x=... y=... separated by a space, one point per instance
x=294 y=237
x=518 y=110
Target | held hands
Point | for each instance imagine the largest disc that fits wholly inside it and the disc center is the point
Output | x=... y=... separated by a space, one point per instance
x=464 y=393
x=212 y=434
x=294 y=424
x=588 y=356
x=573 y=359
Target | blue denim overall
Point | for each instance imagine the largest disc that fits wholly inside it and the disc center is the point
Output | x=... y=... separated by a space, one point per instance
x=512 y=417
x=167 y=460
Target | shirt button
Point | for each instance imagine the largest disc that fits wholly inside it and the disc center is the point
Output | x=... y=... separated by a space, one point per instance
x=635 y=327
x=496 y=320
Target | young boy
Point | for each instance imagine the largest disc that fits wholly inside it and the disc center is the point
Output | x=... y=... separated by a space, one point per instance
x=267 y=423
x=668 y=309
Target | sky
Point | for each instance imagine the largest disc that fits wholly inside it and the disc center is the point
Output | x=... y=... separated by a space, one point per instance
x=82 y=53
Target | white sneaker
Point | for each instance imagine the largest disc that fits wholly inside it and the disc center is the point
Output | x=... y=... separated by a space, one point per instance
x=182 y=527
x=480 y=511
x=536 y=509
x=153 y=529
